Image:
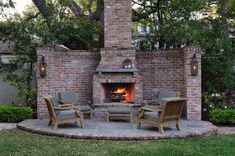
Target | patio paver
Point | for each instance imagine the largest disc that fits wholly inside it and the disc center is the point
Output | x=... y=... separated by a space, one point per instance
x=118 y=130
x=6 y=126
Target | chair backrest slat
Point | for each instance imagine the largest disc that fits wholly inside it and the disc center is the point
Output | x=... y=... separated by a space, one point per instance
x=172 y=109
x=50 y=106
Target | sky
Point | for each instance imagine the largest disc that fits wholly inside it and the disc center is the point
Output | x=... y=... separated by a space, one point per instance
x=19 y=5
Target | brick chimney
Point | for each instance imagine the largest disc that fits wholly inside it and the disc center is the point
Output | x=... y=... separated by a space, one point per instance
x=117 y=23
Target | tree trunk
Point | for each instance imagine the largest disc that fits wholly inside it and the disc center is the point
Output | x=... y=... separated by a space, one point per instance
x=42 y=7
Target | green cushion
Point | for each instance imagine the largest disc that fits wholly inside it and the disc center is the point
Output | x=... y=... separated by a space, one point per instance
x=54 y=102
x=67 y=96
x=153 y=116
x=165 y=94
x=84 y=108
x=67 y=114
x=119 y=110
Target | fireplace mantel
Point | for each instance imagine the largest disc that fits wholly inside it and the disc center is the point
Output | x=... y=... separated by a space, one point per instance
x=116 y=70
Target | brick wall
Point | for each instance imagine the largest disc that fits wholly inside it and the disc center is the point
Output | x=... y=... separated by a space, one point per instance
x=158 y=70
x=71 y=71
x=117 y=23
x=161 y=70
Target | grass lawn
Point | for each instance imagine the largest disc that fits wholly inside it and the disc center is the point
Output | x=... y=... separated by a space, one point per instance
x=16 y=142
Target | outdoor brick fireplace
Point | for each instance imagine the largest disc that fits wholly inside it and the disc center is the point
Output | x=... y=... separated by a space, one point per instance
x=110 y=74
x=103 y=78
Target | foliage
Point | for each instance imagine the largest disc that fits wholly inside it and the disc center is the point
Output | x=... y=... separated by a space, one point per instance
x=20 y=73
x=213 y=101
x=19 y=143
x=175 y=23
x=220 y=116
x=216 y=101
x=13 y=113
x=30 y=31
x=73 y=32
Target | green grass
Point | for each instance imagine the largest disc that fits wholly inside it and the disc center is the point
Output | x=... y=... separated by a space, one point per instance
x=16 y=142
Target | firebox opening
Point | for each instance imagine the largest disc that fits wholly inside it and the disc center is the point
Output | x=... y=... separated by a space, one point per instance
x=118 y=92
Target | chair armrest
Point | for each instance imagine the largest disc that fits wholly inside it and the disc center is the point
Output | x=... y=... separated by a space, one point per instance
x=151 y=109
x=62 y=108
x=79 y=113
x=85 y=101
x=149 y=102
x=67 y=105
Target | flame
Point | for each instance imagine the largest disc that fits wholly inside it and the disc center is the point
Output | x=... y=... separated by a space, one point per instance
x=121 y=90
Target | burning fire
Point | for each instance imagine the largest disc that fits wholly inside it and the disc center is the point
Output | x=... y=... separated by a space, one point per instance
x=121 y=90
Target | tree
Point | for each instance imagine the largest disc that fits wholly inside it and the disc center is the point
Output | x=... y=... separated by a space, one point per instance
x=75 y=32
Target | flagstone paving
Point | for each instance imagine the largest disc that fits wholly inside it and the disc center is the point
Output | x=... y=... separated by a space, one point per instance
x=6 y=126
x=118 y=130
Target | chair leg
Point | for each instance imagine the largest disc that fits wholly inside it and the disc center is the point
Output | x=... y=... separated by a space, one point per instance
x=138 y=124
x=91 y=115
x=161 y=129
x=50 y=122
x=81 y=123
x=178 y=126
x=107 y=117
x=55 y=125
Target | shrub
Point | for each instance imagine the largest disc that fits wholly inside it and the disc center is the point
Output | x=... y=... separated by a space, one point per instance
x=14 y=113
x=220 y=116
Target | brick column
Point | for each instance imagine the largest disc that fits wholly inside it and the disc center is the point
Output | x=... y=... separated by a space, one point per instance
x=192 y=84
x=45 y=85
x=117 y=23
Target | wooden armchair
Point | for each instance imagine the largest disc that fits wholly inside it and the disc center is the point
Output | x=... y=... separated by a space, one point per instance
x=168 y=115
x=158 y=102
x=64 y=113
x=70 y=97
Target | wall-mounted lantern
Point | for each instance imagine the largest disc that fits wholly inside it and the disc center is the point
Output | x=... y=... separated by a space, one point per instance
x=194 y=66
x=127 y=64
x=42 y=67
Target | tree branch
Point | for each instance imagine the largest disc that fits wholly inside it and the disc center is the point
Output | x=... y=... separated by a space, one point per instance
x=41 y=5
x=75 y=8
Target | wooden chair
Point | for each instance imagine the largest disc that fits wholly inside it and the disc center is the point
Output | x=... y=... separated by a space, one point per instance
x=65 y=113
x=158 y=102
x=70 y=97
x=168 y=115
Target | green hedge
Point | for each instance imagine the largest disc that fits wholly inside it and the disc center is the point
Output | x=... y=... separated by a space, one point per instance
x=13 y=113
x=220 y=116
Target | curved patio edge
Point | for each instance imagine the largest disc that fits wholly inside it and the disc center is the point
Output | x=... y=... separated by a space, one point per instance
x=118 y=130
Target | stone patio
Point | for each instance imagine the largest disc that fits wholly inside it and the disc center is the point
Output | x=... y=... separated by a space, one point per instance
x=118 y=130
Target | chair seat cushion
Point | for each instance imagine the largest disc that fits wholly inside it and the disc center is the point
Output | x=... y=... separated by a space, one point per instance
x=119 y=110
x=84 y=108
x=67 y=114
x=153 y=116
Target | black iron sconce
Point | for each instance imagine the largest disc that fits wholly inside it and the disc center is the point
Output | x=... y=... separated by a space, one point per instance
x=127 y=64
x=42 y=67
x=194 y=66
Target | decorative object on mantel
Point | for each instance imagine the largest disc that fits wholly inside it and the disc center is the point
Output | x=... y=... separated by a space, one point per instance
x=127 y=63
x=194 y=66
x=42 y=67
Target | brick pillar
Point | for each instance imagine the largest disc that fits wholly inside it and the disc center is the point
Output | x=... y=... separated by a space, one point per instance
x=192 y=84
x=117 y=23
x=45 y=85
